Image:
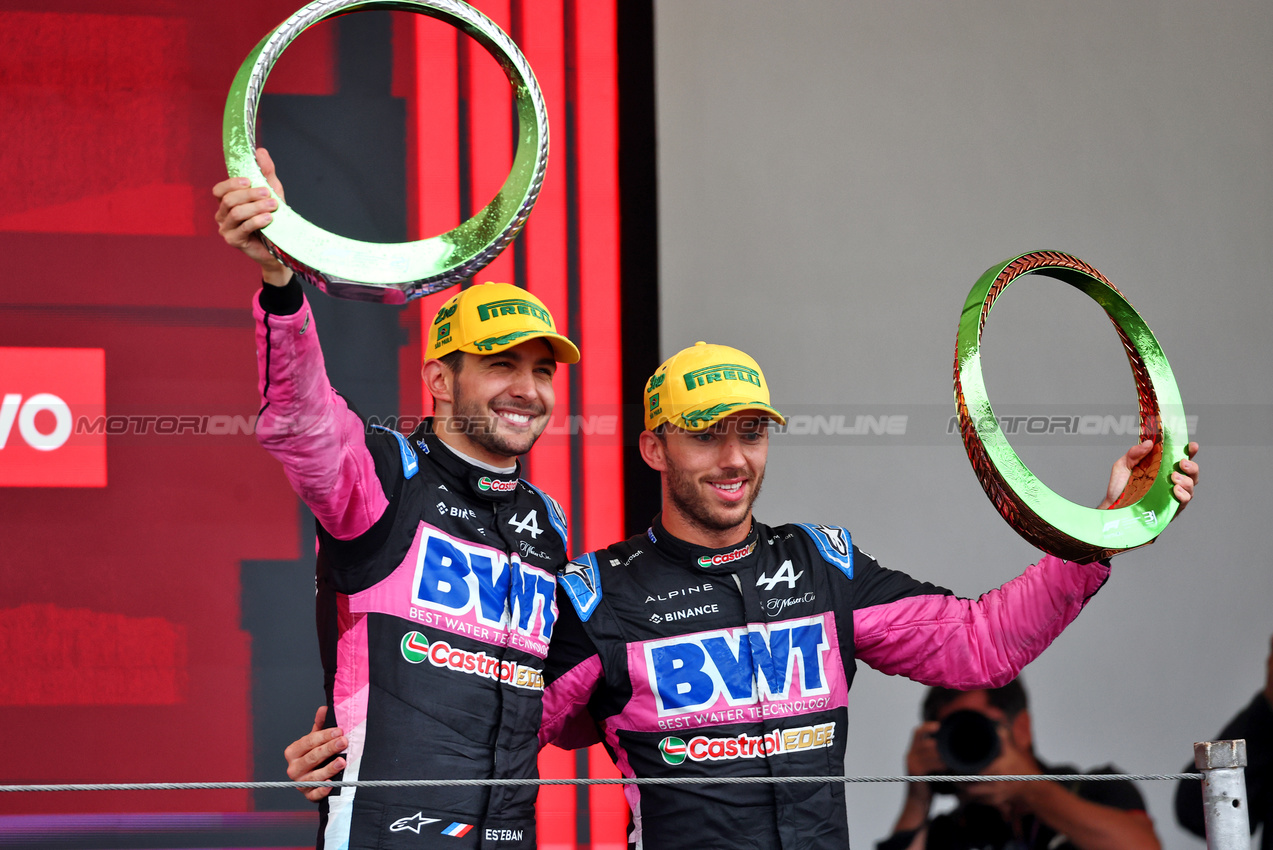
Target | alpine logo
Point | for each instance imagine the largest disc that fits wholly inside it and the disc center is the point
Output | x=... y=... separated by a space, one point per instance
x=497 y=485
x=702 y=748
x=786 y=573
x=415 y=647
x=530 y=525
x=413 y=823
x=727 y=557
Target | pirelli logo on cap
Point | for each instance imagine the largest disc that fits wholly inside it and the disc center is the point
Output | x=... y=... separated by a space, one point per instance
x=722 y=372
x=513 y=307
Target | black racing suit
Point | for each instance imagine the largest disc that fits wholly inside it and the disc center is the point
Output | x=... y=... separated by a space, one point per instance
x=435 y=605
x=738 y=662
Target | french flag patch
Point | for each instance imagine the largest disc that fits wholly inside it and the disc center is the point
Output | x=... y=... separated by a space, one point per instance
x=455 y=830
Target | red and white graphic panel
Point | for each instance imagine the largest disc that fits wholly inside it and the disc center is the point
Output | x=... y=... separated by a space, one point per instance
x=52 y=409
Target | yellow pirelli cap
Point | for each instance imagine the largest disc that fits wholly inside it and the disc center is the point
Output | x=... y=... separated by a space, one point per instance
x=704 y=383
x=490 y=317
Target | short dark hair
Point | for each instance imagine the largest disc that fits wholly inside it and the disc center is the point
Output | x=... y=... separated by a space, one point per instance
x=1010 y=699
x=453 y=360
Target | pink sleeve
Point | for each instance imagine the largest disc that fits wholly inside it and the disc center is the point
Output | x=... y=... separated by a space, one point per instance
x=963 y=644
x=309 y=428
x=566 y=720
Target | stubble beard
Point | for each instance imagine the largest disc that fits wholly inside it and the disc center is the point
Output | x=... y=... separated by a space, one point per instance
x=684 y=494
x=481 y=425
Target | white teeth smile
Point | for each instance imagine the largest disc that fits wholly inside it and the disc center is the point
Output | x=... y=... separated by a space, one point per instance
x=729 y=488
x=519 y=418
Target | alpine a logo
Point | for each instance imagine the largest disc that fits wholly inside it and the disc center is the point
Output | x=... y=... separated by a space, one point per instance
x=478 y=591
x=497 y=485
x=786 y=574
x=778 y=742
x=742 y=666
x=727 y=557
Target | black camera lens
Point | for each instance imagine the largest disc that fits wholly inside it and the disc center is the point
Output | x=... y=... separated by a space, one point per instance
x=968 y=741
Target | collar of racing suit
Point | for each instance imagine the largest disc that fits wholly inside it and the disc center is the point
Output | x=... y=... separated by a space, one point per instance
x=468 y=479
x=717 y=561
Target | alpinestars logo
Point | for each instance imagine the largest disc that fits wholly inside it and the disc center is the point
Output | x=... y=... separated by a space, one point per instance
x=413 y=823
x=786 y=573
x=727 y=557
x=497 y=485
x=702 y=748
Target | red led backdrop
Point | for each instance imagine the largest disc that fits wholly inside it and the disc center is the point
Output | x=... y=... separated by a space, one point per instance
x=124 y=655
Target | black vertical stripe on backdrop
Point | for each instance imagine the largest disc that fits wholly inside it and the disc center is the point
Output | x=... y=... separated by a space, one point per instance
x=638 y=249
x=583 y=815
x=464 y=129
x=573 y=300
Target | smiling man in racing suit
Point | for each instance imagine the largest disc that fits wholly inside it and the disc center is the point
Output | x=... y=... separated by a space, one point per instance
x=437 y=565
x=716 y=646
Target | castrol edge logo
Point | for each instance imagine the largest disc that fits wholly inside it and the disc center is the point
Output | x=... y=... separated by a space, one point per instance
x=778 y=742
x=416 y=649
x=43 y=393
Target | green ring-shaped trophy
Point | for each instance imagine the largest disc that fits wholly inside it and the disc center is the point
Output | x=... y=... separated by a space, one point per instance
x=393 y=272
x=1049 y=521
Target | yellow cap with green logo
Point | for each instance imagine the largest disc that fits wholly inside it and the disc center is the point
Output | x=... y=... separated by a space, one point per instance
x=702 y=384
x=490 y=317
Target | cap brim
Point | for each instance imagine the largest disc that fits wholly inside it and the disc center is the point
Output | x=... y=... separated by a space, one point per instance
x=564 y=351
x=744 y=407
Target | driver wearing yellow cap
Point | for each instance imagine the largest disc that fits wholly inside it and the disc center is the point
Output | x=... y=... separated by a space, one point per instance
x=714 y=646
x=437 y=563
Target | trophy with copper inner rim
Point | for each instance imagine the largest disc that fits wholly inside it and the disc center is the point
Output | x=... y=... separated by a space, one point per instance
x=1044 y=518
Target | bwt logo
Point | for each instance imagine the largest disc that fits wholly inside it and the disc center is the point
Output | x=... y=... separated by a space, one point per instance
x=458 y=578
x=693 y=672
x=42 y=391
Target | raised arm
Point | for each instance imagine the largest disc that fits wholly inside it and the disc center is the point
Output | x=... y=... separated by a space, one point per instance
x=903 y=628
x=244 y=210
x=303 y=422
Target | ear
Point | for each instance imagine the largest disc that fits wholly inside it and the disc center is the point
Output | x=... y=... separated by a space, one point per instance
x=1022 y=732
x=437 y=381
x=653 y=451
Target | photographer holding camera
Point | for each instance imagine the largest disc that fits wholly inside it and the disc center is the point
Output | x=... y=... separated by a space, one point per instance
x=988 y=732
